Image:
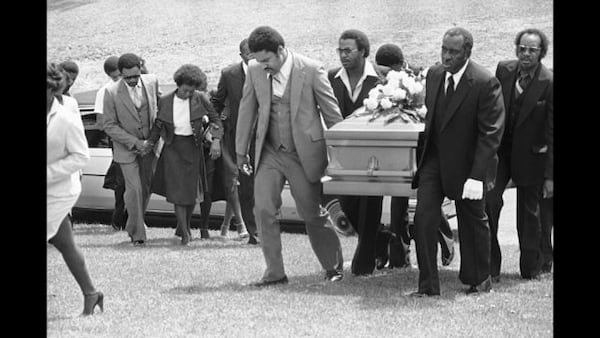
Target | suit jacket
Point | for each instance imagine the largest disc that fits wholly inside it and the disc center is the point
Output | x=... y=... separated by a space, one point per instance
x=339 y=89
x=532 y=154
x=121 y=120
x=471 y=128
x=311 y=98
x=199 y=106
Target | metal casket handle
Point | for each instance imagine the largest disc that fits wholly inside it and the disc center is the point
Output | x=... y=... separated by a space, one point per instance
x=373 y=165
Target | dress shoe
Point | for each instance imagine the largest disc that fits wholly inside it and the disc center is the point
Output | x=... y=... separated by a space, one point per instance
x=380 y=263
x=252 y=240
x=204 y=234
x=485 y=286
x=264 y=283
x=90 y=301
x=419 y=294
x=334 y=276
x=139 y=243
x=447 y=260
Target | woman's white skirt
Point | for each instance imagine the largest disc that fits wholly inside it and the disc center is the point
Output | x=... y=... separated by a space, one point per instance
x=57 y=209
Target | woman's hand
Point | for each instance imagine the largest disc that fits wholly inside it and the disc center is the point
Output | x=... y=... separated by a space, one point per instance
x=215 y=148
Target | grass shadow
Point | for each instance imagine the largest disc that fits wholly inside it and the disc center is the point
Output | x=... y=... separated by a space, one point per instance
x=173 y=243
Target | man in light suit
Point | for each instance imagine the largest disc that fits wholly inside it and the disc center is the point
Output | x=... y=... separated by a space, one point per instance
x=526 y=150
x=287 y=94
x=463 y=128
x=227 y=102
x=130 y=106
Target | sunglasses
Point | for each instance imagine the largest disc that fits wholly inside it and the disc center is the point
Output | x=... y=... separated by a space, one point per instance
x=131 y=77
x=531 y=50
x=345 y=51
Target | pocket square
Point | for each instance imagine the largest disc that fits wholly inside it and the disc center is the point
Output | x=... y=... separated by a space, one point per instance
x=540 y=149
x=541 y=103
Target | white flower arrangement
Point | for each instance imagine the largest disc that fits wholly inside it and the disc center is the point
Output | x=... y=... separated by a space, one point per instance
x=401 y=97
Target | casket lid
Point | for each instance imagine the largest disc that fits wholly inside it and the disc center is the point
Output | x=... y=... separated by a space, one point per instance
x=358 y=124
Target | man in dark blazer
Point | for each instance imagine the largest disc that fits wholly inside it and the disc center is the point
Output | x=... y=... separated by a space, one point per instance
x=130 y=106
x=227 y=102
x=463 y=128
x=351 y=84
x=526 y=150
x=289 y=97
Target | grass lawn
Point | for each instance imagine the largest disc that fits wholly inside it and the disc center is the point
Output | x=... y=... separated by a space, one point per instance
x=165 y=290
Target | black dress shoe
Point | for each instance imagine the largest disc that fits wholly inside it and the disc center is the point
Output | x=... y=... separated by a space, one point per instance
x=380 y=263
x=139 y=243
x=485 y=286
x=264 y=283
x=334 y=276
x=252 y=240
x=448 y=259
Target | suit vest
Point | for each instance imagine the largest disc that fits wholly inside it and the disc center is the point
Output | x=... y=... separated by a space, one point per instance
x=279 y=133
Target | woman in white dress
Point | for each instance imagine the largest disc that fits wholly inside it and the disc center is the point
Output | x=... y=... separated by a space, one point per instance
x=67 y=153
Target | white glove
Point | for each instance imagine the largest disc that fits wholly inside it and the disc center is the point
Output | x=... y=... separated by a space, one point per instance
x=473 y=189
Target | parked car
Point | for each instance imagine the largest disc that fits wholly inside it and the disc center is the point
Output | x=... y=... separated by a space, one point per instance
x=96 y=203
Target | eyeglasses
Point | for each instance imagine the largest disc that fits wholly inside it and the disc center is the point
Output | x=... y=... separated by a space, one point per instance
x=345 y=51
x=531 y=50
x=131 y=77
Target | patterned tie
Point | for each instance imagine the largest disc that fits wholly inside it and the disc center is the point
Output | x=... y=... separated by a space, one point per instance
x=524 y=81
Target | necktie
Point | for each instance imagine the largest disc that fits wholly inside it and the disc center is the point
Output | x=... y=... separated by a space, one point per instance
x=524 y=81
x=137 y=100
x=449 y=91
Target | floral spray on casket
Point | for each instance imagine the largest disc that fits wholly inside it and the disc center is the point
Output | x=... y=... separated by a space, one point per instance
x=401 y=97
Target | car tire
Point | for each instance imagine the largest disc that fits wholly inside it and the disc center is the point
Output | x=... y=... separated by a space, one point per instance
x=340 y=222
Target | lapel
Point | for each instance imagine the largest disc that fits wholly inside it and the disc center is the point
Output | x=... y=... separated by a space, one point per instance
x=196 y=111
x=508 y=83
x=263 y=95
x=166 y=114
x=535 y=89
x=463 y=88
x=339 y=90
x=297 y=81
x=123 y=94
x=434 y=83
x=150 y=98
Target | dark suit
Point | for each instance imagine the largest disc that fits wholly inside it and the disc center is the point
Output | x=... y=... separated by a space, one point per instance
x=227 y=102
x=460 y=142
x=363 y=212
x=526 y=156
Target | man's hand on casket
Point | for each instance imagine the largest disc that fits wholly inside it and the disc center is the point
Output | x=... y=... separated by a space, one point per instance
x=473 y=190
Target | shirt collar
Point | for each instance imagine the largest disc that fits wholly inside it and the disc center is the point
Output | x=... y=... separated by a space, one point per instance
x=286 y=69
x=531 y=73
x=368 y=70
x=244 y=67
x=458 y=75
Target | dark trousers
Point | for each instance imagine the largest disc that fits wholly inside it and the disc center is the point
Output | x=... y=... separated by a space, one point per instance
x=473 y=229
x=364 y=213
x=206 y=203
x=246 y=195
x=547 y=222
x=528 y=221
x=399 y=243
x=119 y=215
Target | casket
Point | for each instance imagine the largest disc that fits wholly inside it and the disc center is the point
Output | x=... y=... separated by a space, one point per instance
x=371 y=157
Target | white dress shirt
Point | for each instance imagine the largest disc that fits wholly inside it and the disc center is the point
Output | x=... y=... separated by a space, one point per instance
x=135 y=90
x=280 y=79
x=343 y=74
x=456 y=76
x=181 y=116
x=99 y=103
